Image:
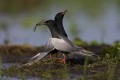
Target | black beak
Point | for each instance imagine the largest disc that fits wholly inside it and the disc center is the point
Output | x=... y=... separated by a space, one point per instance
x=39 y=24
x=64 y=12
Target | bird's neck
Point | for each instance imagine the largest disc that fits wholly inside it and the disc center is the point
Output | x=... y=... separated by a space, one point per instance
x=59 y=22
x=54 y=32
x=61 y=28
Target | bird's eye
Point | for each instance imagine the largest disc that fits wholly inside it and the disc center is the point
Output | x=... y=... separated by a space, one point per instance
x=47 y=22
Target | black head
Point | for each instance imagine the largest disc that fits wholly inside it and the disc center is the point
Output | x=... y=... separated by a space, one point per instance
x=60 y=15
x=51 y=25
x=49 y=22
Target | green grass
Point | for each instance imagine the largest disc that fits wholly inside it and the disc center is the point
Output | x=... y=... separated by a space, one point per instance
x=105 y=68
x=49 y=69
x=85 y=69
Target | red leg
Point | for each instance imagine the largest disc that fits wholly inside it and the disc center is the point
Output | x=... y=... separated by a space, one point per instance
x=63 y=60
x=50 y=56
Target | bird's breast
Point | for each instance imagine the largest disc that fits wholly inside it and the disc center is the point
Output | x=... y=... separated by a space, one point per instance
x=61 y=44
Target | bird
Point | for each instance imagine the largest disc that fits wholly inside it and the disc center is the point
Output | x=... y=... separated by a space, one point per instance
x=49 y=47
x=62 y=43
x=59 y=22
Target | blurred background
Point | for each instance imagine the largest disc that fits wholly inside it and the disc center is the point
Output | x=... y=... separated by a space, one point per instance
x=89 y=20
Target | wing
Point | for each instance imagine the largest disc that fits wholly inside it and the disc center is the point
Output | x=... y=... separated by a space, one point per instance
x=37 y=57
x=49 y=45
x=84 y=53
x=63 y=45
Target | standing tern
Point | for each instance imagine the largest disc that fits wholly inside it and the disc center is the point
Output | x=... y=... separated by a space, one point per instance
x=59 y=22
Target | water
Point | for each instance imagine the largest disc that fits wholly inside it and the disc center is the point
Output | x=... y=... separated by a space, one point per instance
x=104 y=28
x=7 y=65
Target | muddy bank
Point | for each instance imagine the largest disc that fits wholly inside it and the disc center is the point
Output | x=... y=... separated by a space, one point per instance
x=107 y=67
x=25 y=52
x=51 y=69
